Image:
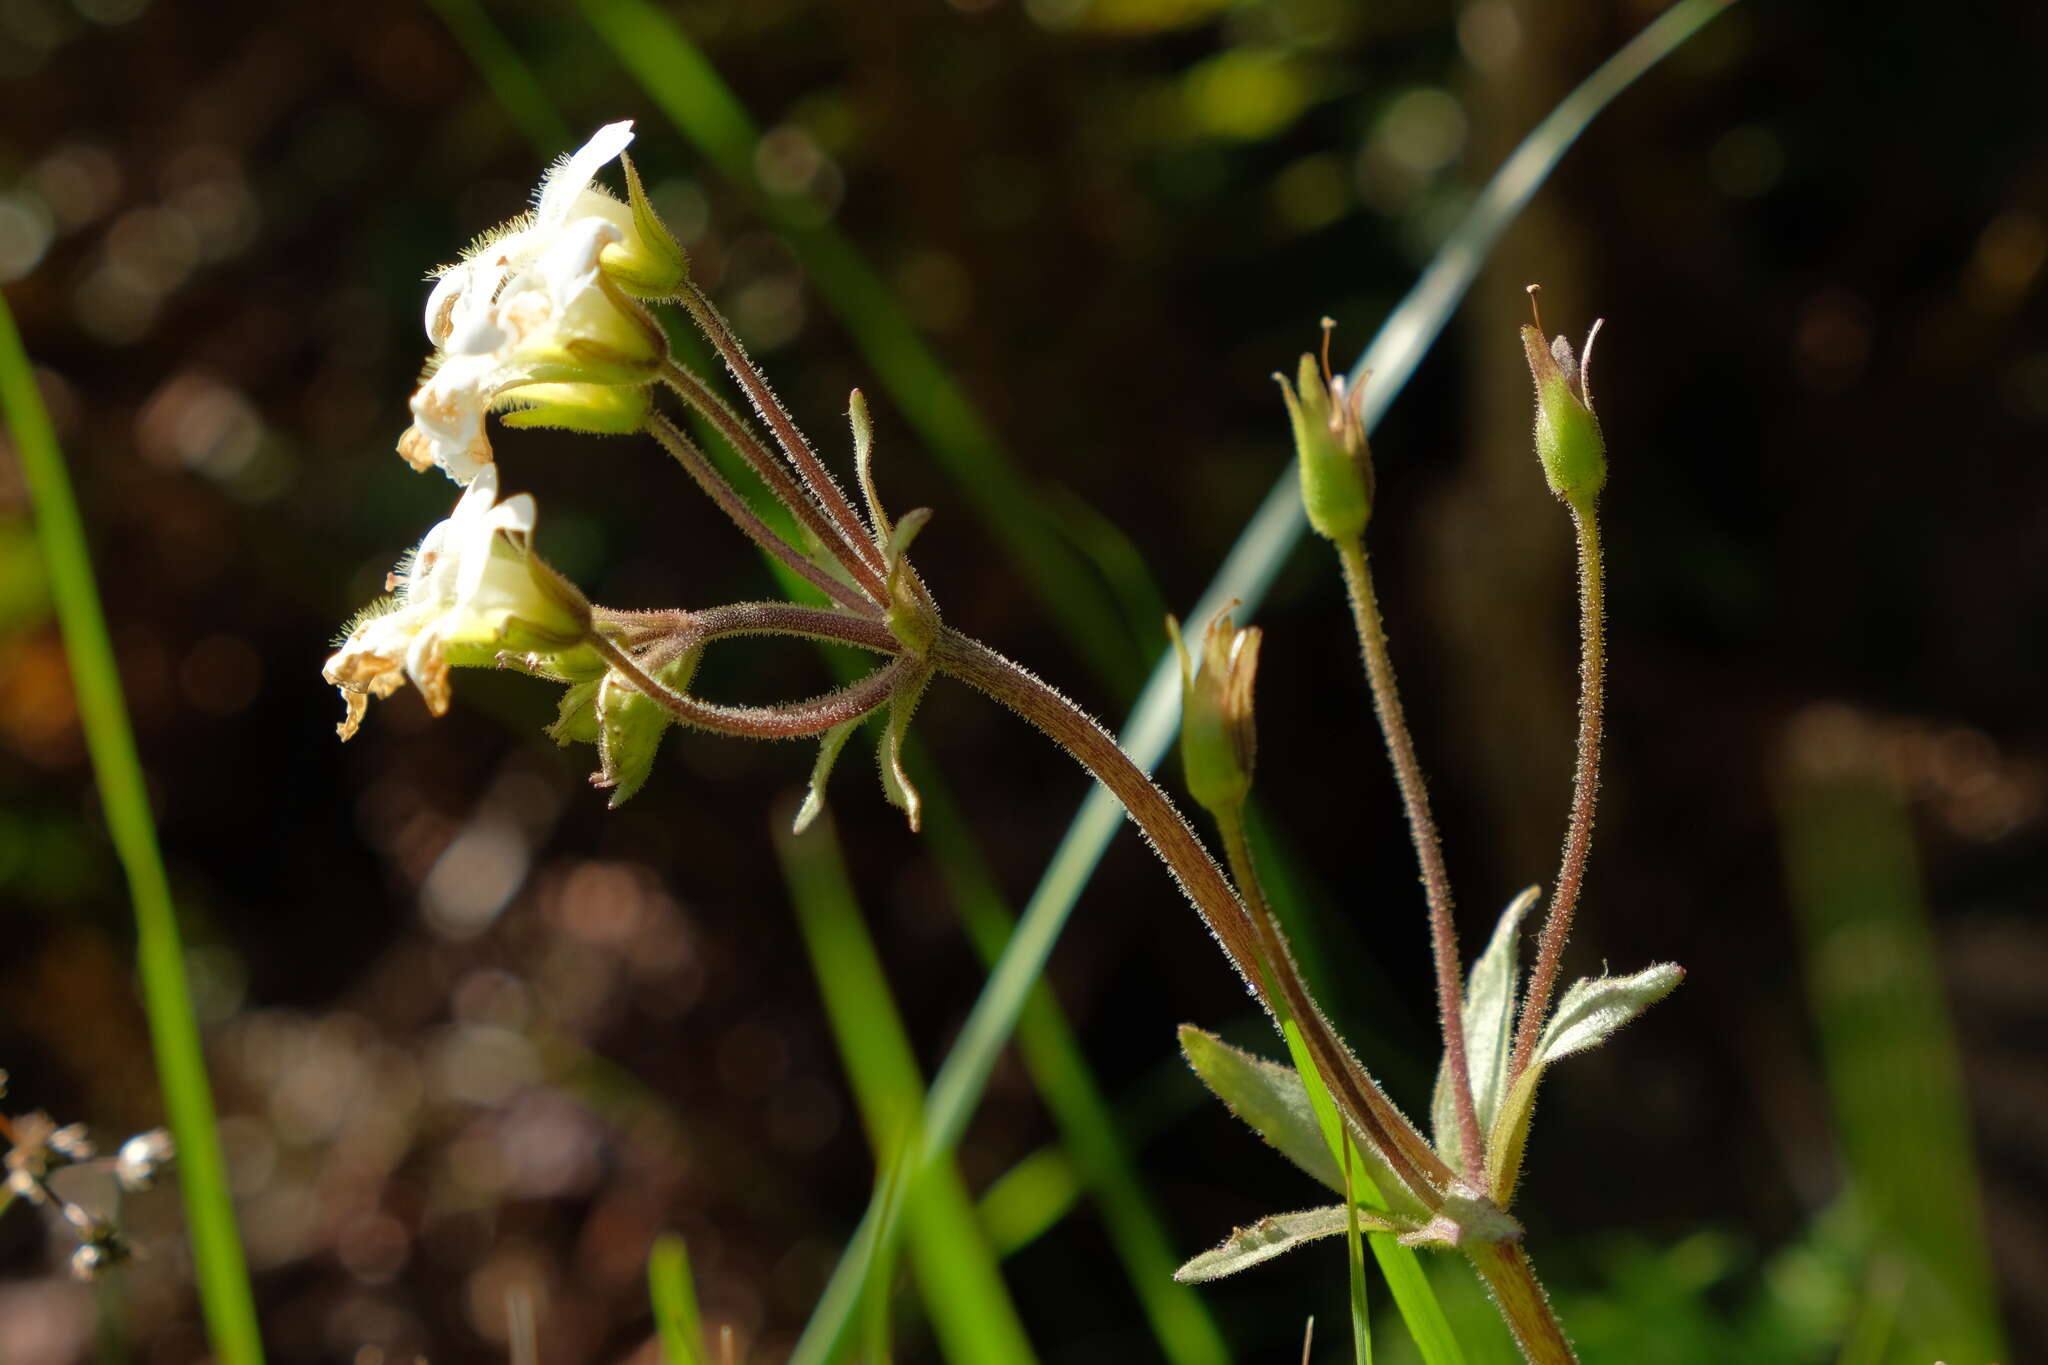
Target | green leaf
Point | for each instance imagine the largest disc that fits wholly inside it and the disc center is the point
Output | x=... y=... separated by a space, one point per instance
x=1489 y=1025
x=1268 y=1096
x=1596 y=1006
x=1272 y=1235
x=1591 y=1010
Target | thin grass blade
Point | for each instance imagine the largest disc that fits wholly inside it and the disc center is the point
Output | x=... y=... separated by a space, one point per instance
x=673 y=1291
x=957 y=1276
x=221 y=1269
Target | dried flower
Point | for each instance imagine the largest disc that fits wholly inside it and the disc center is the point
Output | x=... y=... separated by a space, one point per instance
x=141 y=1157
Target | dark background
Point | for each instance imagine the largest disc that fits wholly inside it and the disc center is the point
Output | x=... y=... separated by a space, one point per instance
x=472 y=1030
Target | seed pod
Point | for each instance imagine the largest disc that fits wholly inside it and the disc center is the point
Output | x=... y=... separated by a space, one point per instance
x=1568 y=439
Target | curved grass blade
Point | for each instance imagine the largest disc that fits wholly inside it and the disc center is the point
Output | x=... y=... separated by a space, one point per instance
x=956 y=1272
x=512 y=82
x=221 y=1270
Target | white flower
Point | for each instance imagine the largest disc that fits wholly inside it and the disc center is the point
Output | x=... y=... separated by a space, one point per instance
x=472 y=584
x=531 y=304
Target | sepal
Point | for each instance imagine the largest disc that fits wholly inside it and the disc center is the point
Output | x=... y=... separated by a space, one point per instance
x=648 y=261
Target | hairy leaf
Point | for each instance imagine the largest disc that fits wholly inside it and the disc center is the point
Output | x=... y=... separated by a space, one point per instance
x=1272 y=1235
x=1596 y=1006
x=1268 y=1096
x=1489 y=1024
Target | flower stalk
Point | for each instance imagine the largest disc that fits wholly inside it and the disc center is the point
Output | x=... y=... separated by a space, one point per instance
x=1578 y=839
x=1436 y=881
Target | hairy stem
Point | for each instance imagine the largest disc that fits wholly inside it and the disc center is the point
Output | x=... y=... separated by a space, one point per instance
x=1245 y=942
x=1511 y=1280
x=781 y=486
x=692 y=628
x=793 y=721
x=733 y=505
x=801 y=457
x=1578 y=839
x=1436 y=882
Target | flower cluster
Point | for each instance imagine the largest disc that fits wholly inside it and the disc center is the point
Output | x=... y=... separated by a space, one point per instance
x=539 y=317
x=38 y=1148
x=539 y=320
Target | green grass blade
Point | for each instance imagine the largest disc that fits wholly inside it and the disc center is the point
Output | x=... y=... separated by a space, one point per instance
x=1180 y=1320
x=1413 y=1296
x=956 y=1272
x=511 y=80
x=673 y=1292
x=221 y=1270
x=1354 y=1256
x=688 y=89
x=1875 y=987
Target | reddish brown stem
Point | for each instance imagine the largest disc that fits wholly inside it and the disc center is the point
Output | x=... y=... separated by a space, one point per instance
x=793 y=721
x=781 y=486
x=1578 y=839
x=1366 y=1107
x=1519 y=1295
x=733 y=505
x=754 y=618
x=1436 y=882
x=798 y=450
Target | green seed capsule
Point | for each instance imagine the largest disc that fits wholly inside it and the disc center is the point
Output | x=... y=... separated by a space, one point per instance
x=1334 y=459
x=1568 y=439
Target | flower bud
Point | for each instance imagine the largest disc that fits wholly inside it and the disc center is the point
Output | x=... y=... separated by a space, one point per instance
x=1216 y=732
x=1331 y=451
x=1568 y=439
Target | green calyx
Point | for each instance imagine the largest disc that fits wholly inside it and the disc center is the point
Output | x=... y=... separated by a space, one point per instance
x=1568 y=439
x=625 y=723
x=598 y=409
x=1331 y=452
x=649 y=263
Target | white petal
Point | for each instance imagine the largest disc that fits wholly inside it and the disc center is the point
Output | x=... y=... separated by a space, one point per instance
x=480 y=548
x=449 y=411
x=569 y=266
x=461 y=311
x=568 y=177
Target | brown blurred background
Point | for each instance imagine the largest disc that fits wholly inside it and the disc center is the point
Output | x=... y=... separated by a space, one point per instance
x=473 y=1031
